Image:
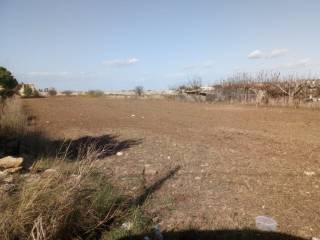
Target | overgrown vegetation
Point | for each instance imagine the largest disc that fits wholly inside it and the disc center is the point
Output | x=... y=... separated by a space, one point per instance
x=263 y=88
x=270 y=88
x=95 y=93
x=61 y=199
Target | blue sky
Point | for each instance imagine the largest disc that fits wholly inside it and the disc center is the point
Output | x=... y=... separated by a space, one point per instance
x=113 y=45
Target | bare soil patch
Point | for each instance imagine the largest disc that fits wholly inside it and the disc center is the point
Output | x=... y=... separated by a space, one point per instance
x=236 y=162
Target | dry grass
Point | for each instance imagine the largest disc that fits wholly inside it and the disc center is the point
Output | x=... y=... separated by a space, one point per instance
x=75 y=200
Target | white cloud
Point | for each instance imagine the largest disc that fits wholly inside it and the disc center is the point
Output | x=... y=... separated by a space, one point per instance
x=277 y=52
x=256 y=54
x=121 y=62
x=205 y=64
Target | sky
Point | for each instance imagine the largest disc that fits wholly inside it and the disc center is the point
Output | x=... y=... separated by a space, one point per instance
x=115 y=45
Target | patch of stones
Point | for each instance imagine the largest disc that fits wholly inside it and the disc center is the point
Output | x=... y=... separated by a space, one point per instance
x=11 y=164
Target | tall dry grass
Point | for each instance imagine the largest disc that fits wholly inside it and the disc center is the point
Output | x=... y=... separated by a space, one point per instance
x=76 y=201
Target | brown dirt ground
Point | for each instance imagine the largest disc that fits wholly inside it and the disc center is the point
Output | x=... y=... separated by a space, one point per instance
x=237 y=162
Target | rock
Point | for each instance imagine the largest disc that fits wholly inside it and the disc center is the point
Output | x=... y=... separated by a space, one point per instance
x=10 y=162
x=8 y=179
x=265 y=223
x=119 y=153
x=13 y=170
x=315 y=238
x=50 y=172
x=311 y=173
x=197 y=178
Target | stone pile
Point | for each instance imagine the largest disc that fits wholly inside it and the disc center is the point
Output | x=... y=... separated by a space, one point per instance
x=11 y=164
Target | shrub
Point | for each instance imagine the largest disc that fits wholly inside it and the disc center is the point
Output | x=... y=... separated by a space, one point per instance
x=67 y=92
x=95 y=93
x=52 y=92
x=138 y=90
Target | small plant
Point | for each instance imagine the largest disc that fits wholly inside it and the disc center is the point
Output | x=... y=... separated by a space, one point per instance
x=138 y=90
